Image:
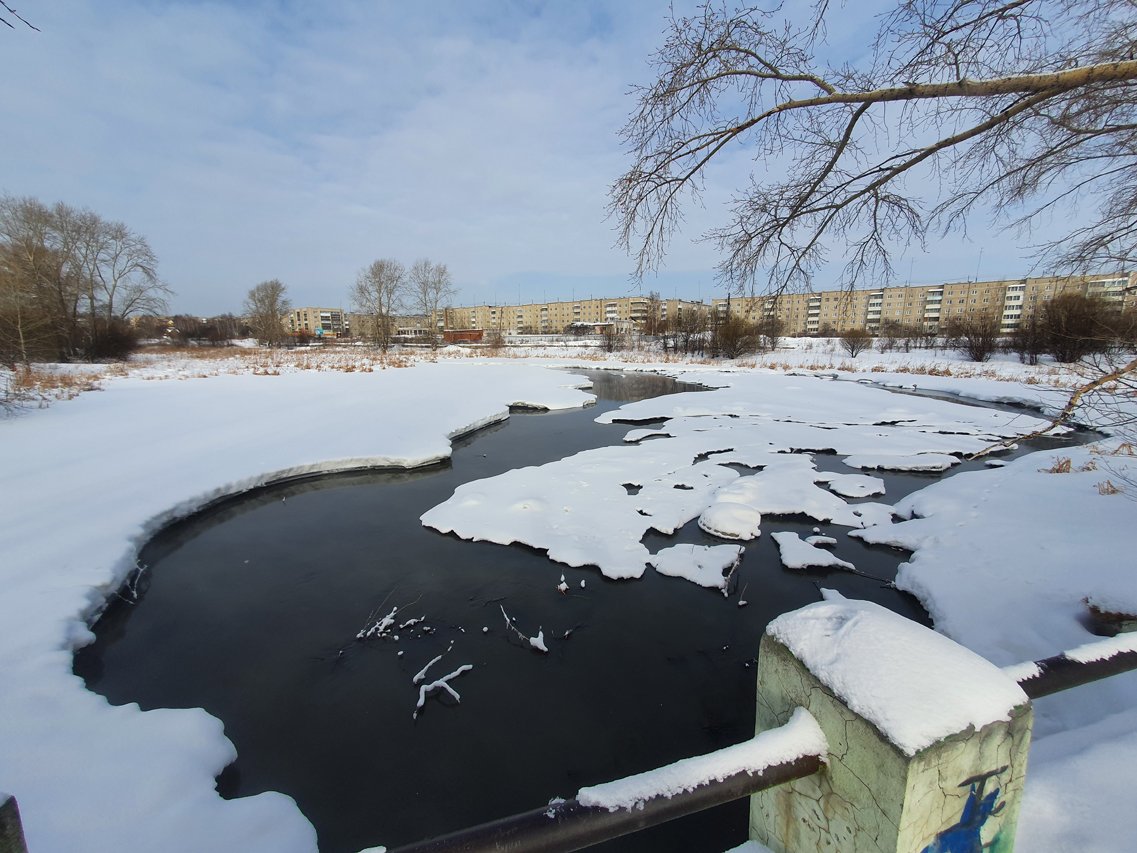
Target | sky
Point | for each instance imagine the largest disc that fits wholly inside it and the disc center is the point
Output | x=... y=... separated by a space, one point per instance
x=300 y=141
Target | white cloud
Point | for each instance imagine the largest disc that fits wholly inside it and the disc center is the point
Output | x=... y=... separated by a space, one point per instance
x=290 y=140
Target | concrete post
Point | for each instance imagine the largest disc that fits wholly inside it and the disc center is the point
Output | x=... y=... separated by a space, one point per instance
x=11 y=830
x=927 y=742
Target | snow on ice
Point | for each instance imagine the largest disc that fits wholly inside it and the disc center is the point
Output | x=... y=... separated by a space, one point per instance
x=1004 y=558
x=579 y=510
x=88 y=481
x=797 y=553
x=705 y=565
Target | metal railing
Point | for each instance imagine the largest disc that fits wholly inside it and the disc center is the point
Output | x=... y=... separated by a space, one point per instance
x=1063 y=671
x=568 y=825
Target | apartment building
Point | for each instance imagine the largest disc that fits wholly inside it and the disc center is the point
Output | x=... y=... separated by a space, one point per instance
x=625 y=313
x=926 y=306
x=320 y=322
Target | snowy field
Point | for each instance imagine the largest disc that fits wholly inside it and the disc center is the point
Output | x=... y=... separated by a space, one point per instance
x=1004 y=559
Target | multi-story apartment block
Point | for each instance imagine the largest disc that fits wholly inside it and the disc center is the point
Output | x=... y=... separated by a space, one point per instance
x=926 y=307
x=624 y=312
x=321 y=322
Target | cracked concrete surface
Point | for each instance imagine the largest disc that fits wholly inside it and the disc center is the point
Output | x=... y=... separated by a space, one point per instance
x=870 y=797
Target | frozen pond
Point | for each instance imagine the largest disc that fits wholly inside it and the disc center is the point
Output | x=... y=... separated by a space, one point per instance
x=251 y=610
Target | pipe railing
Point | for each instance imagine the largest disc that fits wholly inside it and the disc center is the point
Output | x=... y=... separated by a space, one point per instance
x=1076 y=667
x=568 y=825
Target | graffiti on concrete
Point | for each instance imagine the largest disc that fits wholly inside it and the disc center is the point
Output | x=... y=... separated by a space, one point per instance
x=965 y=836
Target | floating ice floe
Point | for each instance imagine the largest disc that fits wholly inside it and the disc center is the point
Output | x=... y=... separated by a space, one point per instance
x=705 y=565
x=594 y=508
x=819 y=541
x=852 y=485
x=799 y=554
x=935 y=462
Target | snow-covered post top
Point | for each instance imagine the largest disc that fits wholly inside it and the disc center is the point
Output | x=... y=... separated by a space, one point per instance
x=11 y=830
x=928 y=741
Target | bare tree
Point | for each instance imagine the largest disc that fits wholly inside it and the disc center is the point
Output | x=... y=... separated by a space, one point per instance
x=770 y=328
x=975 y=336
x=734 y=336
x=80 y=276
x=692 y=330
x=380 y=292
x=1023 y=109
x=1017 y=105
x=855 y=341
x=123 y=272
x=431 y=290
x=653 y=319
x=265 y=307
x=1075 y=326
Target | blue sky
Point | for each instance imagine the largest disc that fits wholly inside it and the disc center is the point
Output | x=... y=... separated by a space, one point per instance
x=301 y=141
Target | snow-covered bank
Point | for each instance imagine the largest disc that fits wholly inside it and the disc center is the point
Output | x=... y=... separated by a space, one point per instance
x=1006 y=560
x=1003 y=559
x=86 y=482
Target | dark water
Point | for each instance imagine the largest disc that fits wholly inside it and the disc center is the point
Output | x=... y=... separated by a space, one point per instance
x=250 y=609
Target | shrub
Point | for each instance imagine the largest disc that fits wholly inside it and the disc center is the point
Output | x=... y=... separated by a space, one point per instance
x=855 y=341
x=113 y=341
x=975 y=336
x=734 y=337
x=1075 y=326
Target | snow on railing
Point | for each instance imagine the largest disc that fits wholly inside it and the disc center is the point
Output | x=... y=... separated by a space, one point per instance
x=603 y=812
x=773 y=757
x=1091 y=662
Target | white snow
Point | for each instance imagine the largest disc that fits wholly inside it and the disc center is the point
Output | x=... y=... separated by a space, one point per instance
x=1024 y=671
x=705 y=565
x=1103 y=649
x=731 y=519
x=578 y=510
x=441 y=684
x=902 y=462
x=421 y=674
x=916 y=686
x=820 y=541
x=87 y=481
x=797 y=553
x=799 y=737
x=1078 y=796
x=853 y=485
x=378 y=628
x=1003 y=558
x=537 y=642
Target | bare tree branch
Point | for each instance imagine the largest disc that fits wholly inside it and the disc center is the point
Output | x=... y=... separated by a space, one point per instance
x=975 y=77
x=13 y=13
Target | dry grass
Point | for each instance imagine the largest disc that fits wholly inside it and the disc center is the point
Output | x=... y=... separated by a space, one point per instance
x=1062 y=465
x=39 y=384
x=197 y=353
x=1107 y=487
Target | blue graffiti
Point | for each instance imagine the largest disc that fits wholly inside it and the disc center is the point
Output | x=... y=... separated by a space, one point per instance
x=965 y=835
